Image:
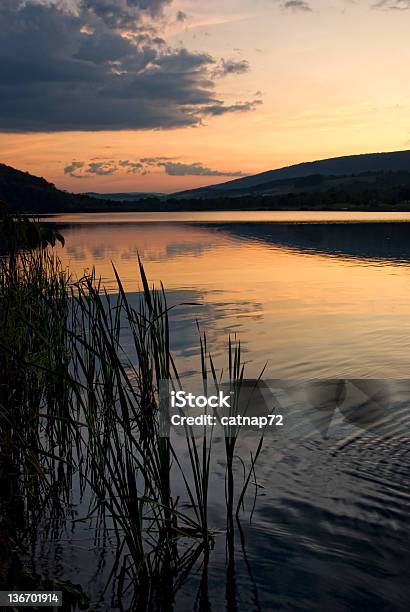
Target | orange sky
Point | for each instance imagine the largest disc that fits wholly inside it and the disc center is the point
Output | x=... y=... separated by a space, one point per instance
x=333 y=80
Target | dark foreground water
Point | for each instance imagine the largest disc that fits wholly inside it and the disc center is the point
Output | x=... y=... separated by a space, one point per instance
x=313 y=297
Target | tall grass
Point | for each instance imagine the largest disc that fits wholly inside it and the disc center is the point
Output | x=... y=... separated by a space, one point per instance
x=36 y=412
x=73 y=401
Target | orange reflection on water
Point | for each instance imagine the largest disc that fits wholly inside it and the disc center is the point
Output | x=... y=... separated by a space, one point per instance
x=307 y=313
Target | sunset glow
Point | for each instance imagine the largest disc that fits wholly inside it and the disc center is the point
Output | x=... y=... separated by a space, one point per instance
x=306 y=81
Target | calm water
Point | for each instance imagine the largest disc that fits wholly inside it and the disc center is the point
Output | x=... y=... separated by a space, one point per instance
x=315 y=295
x=311 y=299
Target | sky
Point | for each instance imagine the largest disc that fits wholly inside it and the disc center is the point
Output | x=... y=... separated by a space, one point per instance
x=165 y=95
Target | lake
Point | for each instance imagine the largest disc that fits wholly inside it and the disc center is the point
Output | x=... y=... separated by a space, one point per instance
x=311 y=296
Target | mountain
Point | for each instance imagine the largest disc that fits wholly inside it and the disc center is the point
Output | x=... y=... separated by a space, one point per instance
x=336 y=166
x=128 y=196
x=31 y=194
x=386 y=187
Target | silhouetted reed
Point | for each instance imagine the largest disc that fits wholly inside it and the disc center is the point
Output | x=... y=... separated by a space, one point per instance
x=73 y=403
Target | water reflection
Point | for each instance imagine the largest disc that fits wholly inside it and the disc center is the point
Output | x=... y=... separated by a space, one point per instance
x=325 y=300
x=375 y=241
x=192 y=309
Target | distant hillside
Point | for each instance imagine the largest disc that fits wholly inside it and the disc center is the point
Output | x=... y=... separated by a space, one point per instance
x=370 y=190
x=31 y=194
x=336 y=166
x=128 y=196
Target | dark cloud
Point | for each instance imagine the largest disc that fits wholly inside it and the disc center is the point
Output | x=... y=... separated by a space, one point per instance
x=231 y=66
x=181 y=16
x=394 y=5
x=102 y=168
x=239 y=107
x=81 y=169
x=132 y=167
x=195 y=169
x=297 y=5
x=153 y=161
x=72 y=168
x=100 y=66
x=121 y=14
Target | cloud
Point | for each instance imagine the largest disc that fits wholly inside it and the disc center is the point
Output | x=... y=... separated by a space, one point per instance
x=231 y=66
x=221 y=109
x=121 y=13
x=100 y=65
x=195 y=169
x=72 y=168
x=154 y=160
x=181 y=16
x=132 y=167
x=297 y=5
x=81 y=169
x=102 y=168
x=394 y=5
